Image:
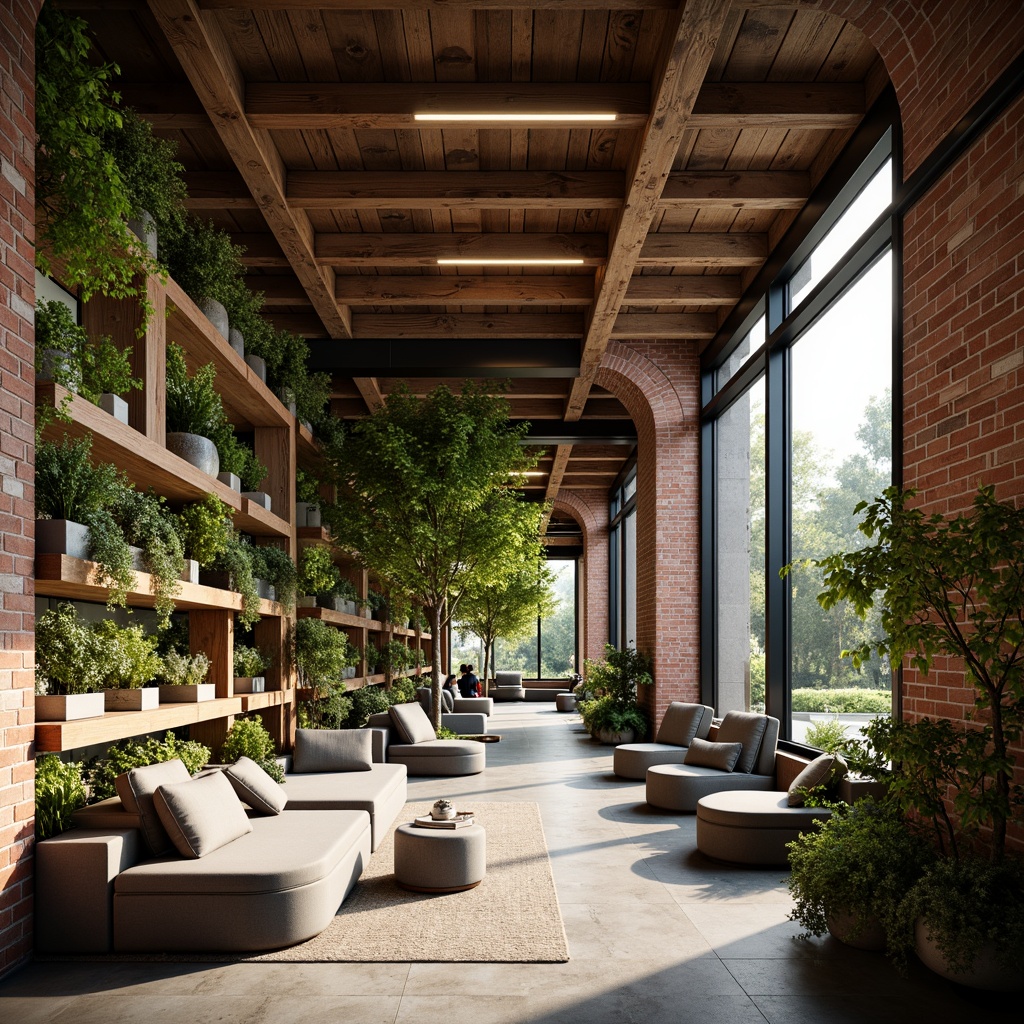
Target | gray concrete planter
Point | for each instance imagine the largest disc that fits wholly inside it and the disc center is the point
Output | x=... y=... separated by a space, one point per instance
x=231 y=480
x=237 y=341
x=144 y=228
x=115 y=405
x=62 y=537
x=260 y=498
x=217 y=315
x=196 y=450
x=258 y=365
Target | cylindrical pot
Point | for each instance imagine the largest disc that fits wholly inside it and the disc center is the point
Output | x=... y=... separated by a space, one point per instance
x=301 y=511
x=861 y=933
x=237 y=341
x=231 y=479
x=196 y=450
x=985 y=973
x=258 y=365
x=217 y=315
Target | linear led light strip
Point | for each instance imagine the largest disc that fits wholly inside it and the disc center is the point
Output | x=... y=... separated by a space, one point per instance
x=508 y=261
x=564 y=116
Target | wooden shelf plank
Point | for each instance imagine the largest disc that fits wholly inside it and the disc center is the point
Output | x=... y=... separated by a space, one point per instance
x=268 y=699
x=75 y=579
x=117 y=725
x=334 y=618
x=148 y=464
x=247 y=400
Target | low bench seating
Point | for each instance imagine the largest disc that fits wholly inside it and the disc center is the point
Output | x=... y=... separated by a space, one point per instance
x=405 y=736
x=679 y=725
x=745 y=827
x=742 y=756
x=507 y=686
x=457 y=706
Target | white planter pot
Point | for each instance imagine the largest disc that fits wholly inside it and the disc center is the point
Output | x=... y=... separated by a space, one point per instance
x=237 y=341
x=115 y=405
x=144 y=228
x=341 y=605
x=62 y=537
x=187 y=694
x=250 y=684
x=366 y=612
x=131 y=700
x=258 y=365
x=265 y=590
x=231 y=480
x=196 y=450
x=191 y=572
x=217 y=315
x=301 y=513
x=985 y=973
x=313 y=516
x=260 y=498
x=69 y=708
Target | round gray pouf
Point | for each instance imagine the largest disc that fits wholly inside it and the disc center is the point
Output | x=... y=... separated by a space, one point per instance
x=565 y=702
x=440 y=860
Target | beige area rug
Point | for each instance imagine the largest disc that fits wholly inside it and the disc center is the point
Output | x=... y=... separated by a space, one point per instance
x=511 y=917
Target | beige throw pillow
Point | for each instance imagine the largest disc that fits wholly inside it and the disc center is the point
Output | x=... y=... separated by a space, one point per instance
x=201 y=815
x=822 y=771
x=136 y=789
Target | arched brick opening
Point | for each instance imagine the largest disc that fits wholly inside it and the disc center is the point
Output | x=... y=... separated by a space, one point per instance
x=659 y=383
x=590 y=510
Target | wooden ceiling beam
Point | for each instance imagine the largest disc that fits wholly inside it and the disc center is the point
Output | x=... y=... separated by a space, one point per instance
x=691 y=39
x=561 y=460
x=412 y=250
x=217 y=190
x=207 y=60
x=752 y=190
x=472 y=290
x=369 y=388
x=465 y=325
x=688 y=290
x=701 y=326
x=278 y=290
x=416 y=5
x=293 y=106
x=791 y=105
x=682 y=248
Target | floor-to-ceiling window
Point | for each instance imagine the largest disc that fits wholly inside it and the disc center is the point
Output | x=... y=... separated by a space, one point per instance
x=798 y=429
x=622 y=562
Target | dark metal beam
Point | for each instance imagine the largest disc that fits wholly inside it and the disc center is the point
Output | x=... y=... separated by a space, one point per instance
x=453 y=357
x=553 y=432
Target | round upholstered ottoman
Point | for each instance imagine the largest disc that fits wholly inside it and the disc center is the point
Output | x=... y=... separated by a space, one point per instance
x=440 y=859
x=565 y=702
x=631 y=760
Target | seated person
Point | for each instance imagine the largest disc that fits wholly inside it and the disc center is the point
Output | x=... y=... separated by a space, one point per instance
x=449 y=685
x=469 y=684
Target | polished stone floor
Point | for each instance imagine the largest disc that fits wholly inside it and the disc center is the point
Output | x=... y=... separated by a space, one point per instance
x=656 y=932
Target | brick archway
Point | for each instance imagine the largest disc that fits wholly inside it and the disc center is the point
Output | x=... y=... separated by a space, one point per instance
x=659 y=383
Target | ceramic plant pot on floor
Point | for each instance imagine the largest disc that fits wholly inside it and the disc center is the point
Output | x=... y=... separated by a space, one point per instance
x=869 y=935
x=985 y=973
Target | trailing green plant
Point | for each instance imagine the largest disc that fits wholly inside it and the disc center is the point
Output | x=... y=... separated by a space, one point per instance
x=145 y=521
x=85 y=366
x=248 y=661
x=60 y=791
x=319 y=652
x=82 y=199
x=193 y=404
x=317 y=572
x=204 y=527
x=68 y=485
x=844 y=701
x=366 y=701
x=67 y=655
x=248 y=737
x=330 y=709
x=184 y=669
x=127 y=656
x=858 y=864
x=275 y=566
x=307 y=487
x=238 y=457
x=236 y=561
x=828 y=736
x=203 y=260
x=132 y=753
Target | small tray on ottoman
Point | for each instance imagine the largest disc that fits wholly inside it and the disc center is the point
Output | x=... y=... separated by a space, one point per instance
x=461 y=820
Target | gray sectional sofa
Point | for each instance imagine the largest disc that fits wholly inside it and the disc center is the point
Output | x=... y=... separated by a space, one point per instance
x=114 y=884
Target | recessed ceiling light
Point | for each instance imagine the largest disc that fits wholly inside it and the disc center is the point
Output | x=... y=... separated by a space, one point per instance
x=522 y=116
x=508 y=261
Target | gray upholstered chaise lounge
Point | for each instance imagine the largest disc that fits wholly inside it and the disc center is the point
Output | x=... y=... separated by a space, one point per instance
x=404 y=735
x=678 y=787
x=679 y=725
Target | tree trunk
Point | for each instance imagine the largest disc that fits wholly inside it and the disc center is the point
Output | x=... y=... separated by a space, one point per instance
x=436 y=616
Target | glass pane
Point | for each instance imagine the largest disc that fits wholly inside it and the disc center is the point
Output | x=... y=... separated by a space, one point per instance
x=859 y=215
x=739 y=554
x=751 y=342
x=629 y=581
x=629 y=488
x=558 y=630
x=841 y=454
x=517 y=657
x=614 y=593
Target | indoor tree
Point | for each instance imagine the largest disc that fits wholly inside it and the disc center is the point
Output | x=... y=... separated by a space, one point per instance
x=426 y=495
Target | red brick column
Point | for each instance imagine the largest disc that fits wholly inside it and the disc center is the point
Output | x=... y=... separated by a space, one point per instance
x=659 y=383
x=590 y=509
x=17 y=516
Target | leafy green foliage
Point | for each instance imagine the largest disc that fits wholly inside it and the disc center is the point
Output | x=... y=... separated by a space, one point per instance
x=393 y=659
x=307 y=487
x=828 y=736
x=330 y=709
x=845 y=701
x=127 y=656
x=248 y=661
x=319 y=652
x=317 y=572
x=82 y=199
x=249 y=738
x=68 y=486
x=181 y=669
x=67 y=657
x=275 y=566
x=60 y=791
x=122 y=757
x=203 y=260
x=238 y=458
x=403 y=691
x=366 y=701
x=237 y=561
x=204 y=527
x=193 y=403
x=859 y=862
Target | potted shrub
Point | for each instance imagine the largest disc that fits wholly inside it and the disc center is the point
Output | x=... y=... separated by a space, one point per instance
x=204 y=527
x=96 y=368
x=318 y=575
x=393 y=659
x=330 y=708
x=274 y=565
x=128 y=661
x=249 y=738
x=319 y=651
x=249 y=666
x=615 y=713
x=69 y=671
x=307 y=499
x=951 y=588
x=184 y=678
x=194 y=413
x=353 y=656
x=232 y=569
x=343 y=597
x=850 y=874
x=240 y=469
x=60 y=791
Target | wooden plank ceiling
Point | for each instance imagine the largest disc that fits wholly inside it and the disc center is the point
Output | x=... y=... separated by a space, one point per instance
x=296 y=122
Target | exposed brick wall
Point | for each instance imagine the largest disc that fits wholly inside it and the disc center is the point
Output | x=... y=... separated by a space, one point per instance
x=659 y=383
x=590 y=510
x=17 y=517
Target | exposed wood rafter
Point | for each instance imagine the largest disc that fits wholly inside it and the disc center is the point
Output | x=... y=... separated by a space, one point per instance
x=558 y=467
